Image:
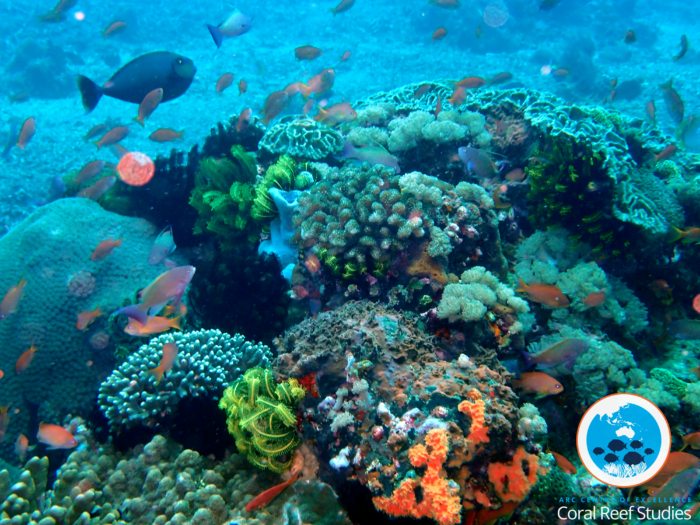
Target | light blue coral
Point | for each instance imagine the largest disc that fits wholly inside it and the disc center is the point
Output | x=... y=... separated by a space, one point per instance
x=208 y=361
x=302 y=137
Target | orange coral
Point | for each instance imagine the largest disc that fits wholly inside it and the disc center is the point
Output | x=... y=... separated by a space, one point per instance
x=510 y=481
x=475 y=409
x=441 y=500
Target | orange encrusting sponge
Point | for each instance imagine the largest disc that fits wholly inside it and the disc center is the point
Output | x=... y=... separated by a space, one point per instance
x=475 y=409
x=510 y=480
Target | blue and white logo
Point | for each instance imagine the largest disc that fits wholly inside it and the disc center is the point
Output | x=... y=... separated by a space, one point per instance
x=623 y=440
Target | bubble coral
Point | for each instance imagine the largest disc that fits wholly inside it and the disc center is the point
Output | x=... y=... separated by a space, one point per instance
x=81 y=284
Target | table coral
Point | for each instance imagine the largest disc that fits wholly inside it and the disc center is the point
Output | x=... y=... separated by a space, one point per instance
x=303 y=138
x=208 y=361
x=52 y=249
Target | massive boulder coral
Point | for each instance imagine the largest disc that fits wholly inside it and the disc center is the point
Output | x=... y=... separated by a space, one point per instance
x=207 y=362
x=387 y=407
x=52 y=249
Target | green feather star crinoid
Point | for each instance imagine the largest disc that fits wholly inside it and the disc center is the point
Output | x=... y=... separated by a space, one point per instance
x=261 y=417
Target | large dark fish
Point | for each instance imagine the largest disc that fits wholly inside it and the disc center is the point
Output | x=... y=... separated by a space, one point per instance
x=160 y=69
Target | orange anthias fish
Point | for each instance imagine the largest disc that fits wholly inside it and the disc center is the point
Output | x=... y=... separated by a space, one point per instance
x=4 y=421
x=439 y=34
x=546 y=294
x=178 y=308
x=459 y=95
x=98 y=189
x=94 y=131
x=148 y=105
x=166 y=362
x=438 y=107
x=307 y=52
x=105 y=248
x=21 y=446
x=113 y=136
x=274 y=104
x=446 y=4
x=668 y=152
x=343 y=6
x=692 y=440
x=341 y=113
x=345 y=57
x=154 y=325
x=166 y=135
x=562 y=352
x=312 y=263
x=501 y=78
x=25 y=360
x=684 y=48
x=168 y=286
x=690 y=235
x=422 y=90
x=676 y=462
x=224 y=82
x=674 y=102
x=538 y=383
x=650 y=108
x=259 y=501
x=594 y=299
x=242 y=87
x=89 y=171
x=564 y=463
x=489 y=516
x=56 y=437
x=630 y=37
x=243 y=120
x=472 y=82
x=9 y=303
x=113 y=29
x=86 y=318
x=318 y=84
x=26 y=132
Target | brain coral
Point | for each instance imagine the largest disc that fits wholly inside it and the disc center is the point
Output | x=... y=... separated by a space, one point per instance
x=208 y=360
x=302 y=137
x=52 y=249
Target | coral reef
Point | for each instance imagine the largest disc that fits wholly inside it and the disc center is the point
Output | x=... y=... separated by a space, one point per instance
x=207 y=362
x=302 y=138
x=52 y=249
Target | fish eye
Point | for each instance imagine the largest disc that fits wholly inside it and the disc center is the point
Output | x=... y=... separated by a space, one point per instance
x=179 y=61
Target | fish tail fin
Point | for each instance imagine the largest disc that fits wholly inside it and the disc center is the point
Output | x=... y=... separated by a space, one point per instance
x=667 y=85
x=522 y=286
x=99 y=146
x=216 y=35
x=89 y=92
x=157 y=372
x=305 y=91
x=321 y=115
x=140 y=121
x=675 y=234
x=527 y=357
x=333 y=10
x=179 y=136
x=175 y=323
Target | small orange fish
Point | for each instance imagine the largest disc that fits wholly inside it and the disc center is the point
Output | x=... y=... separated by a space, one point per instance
x=561 y=72
x=243 y=120
x=546 y=294
x=87 y=317
x=148 y=105
x=224 y=82
x=4 y=421
x=673 y=101
x=113 y=136
x=166 y=135
x=684 y=48
x=89 y=171
x=345 y=57
x=340 y=113
x=668 y=152
x=438 y=107
x=515 y=175
x=178 y=308
x=259 y=501
x=422 y=90
x=166 y=362
x=242 y=87
x=439 y=34
x=25 y=360
x=538 y=383
x=56 y=437
x=274 y=104
x=613 y=83
x=343 y=6
x=307 y=52
x=154 y=325
x=459 y=95
x=52 y=16
x=105 y=248
x=690 y=235
x=318 y=84
x=501 y=78
x=113 y=29
x=94 y=131
x=12 y=297
x=18 y=98
x=630 y=37
x=472 y=82
x=564 y=463
x=98 y=189
x=312 y=264
x=446 y=4
x=692 y=440
x=21 y=446
x=479 y=30
x=26 y=132
x=594 y=299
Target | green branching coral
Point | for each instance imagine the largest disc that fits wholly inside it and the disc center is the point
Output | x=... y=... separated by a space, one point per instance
x=261 y=417
x=223 y=196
